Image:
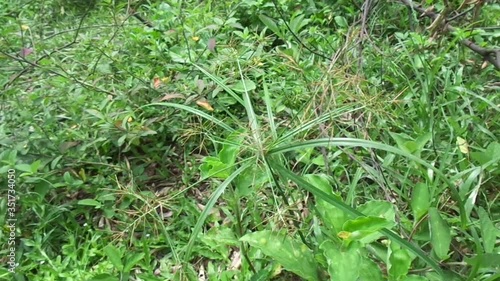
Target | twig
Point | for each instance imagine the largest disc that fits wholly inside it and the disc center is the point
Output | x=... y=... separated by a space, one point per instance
x=35 y=64
x=490 y=55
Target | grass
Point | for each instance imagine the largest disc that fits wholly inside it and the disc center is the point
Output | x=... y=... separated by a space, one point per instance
x=133 y=148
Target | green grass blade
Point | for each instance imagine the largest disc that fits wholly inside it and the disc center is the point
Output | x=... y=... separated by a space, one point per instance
x=285 y=173
x=316 y=121
x=208 y=208
x=351 y=142
x=269 y=109
x=194 y=111
x=219 y=82
x=252 y=118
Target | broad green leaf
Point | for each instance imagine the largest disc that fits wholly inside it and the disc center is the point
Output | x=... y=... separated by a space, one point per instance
x=491 y=153
x=484 y=261
x=251 y=180
x=440 y=234
x=292 y=254
x=342 y=263
x=213 y=167
x=489 y=232
x=369 y=224
x=341 y=21
x=369 y=270
x=132 y=260
x=219 y=240
x=114 y=255
x=298 y=22
x=348 y=210
x=364 y=226
x=23 y=167
x=333 y=217
x=422 y=140
x=399 y=263
x=223 y=165
x=378 y=208
x=420 y=201
x=35 y=166
x=381 y=209
x=230 y=150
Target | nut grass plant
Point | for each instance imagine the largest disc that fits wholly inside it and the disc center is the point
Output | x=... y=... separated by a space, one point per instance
x=271 y=152
x=94 y=173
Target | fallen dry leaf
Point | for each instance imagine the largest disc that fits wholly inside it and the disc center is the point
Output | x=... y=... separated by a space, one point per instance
x=171 y=96
x=204 y=103
x=156 y=82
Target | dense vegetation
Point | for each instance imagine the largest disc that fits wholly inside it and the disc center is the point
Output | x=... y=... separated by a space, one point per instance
x=249 y=140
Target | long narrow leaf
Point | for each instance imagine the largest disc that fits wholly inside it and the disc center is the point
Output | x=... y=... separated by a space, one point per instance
x=219 y=82
x=285 y=173
x=316 y=121
x=269 y=109
x=252 y=118
x=194 y=111
x=351 y=142
x=208 y=208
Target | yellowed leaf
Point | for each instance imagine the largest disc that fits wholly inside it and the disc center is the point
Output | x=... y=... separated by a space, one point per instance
x=344 y=235
x=463 y=145
x=204 y=103
x=171 y=96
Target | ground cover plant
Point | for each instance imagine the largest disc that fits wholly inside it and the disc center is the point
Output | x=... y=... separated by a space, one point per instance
x=249 y=140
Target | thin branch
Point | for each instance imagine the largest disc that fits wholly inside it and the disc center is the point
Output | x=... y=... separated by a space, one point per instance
x=490 y=55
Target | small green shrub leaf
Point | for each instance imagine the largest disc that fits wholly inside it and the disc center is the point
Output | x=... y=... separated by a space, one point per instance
x=292 y=254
